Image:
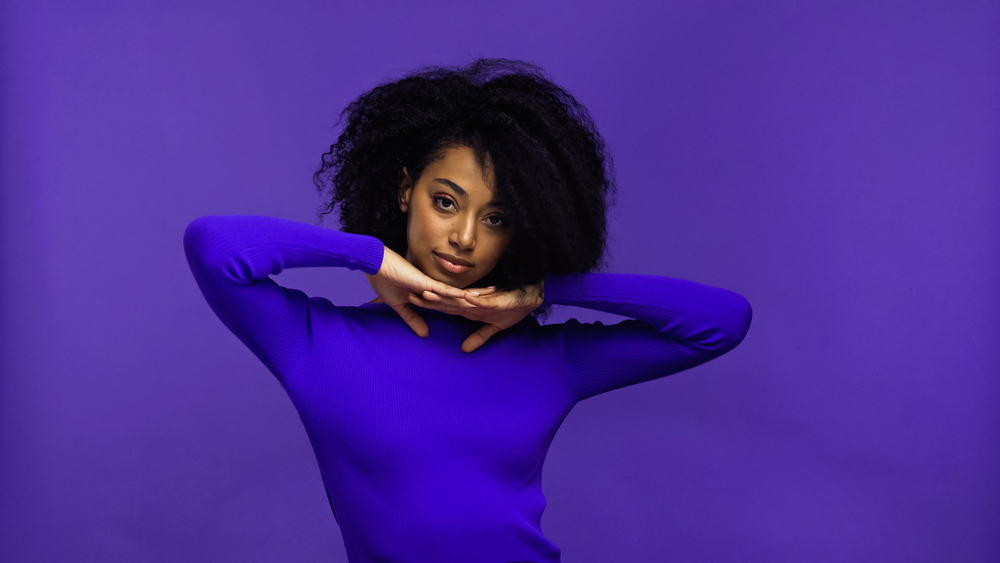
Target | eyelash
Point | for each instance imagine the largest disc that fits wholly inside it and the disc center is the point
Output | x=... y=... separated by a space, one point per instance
x=501 y=225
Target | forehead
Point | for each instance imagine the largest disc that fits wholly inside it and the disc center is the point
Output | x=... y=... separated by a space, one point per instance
x=459 y=172
x=462 y=192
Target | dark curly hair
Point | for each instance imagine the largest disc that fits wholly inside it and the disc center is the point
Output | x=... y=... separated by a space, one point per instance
x=549 y=160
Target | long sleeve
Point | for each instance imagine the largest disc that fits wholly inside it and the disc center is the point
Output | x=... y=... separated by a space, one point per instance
x=232 y=257
x=675 y=324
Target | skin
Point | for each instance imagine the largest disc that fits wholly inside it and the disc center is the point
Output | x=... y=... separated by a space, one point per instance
x=471 y=226
x=440 y=218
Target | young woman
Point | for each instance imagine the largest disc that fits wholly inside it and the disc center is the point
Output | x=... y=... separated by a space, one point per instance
x=487 y=179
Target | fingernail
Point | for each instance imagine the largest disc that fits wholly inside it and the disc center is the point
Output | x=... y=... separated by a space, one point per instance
x=474 y=292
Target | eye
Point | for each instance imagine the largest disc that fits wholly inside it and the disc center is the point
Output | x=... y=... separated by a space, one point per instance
x=500 y=223
x=436 y=198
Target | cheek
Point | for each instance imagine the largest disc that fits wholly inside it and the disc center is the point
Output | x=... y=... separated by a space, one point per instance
x=418 y=231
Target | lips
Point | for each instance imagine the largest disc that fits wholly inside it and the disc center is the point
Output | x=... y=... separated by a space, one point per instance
x=454 y=259
x=450 y=267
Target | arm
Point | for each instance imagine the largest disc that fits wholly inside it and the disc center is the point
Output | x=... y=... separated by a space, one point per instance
x=676 y=324
x=232 y=257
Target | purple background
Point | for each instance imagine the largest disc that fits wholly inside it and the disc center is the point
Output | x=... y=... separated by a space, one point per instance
x=837 y=165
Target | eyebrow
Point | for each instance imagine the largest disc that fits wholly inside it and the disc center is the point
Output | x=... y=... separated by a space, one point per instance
x=457 y=188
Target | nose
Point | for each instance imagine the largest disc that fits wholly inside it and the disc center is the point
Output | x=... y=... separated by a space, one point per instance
x=464 y=234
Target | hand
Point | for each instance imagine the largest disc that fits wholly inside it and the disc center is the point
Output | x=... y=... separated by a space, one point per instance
x=397 y=279
x=499 y=309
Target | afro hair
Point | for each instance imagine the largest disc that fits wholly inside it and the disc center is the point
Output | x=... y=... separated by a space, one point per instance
x=550 y=163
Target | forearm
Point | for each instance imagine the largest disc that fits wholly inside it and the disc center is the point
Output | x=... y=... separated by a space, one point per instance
x=252 y=247
x=699 y=314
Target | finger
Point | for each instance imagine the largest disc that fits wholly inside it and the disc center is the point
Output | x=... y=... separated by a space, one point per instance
x=482 y=301
x=483 y=290
x=447 y=304
x=447 y=290
x=466 y=303
x=412 y=319
x=417 y=300
x=444 y=306
x=478 y=338
x=452 y=306
x=431 y=296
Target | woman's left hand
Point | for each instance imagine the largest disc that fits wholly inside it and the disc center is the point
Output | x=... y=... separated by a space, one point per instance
x=499 y=310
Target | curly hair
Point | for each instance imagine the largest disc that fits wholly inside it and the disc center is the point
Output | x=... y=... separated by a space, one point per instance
x=550 y=162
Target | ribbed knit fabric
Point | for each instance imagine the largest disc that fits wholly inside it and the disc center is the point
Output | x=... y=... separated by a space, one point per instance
x=428 y=453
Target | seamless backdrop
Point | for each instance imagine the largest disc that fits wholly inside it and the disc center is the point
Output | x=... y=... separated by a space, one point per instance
x=836 y=163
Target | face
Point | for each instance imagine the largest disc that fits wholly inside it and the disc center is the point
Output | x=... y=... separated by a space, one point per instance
x=452 y=211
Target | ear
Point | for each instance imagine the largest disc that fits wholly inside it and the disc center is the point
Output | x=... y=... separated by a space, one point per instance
x=405 y=191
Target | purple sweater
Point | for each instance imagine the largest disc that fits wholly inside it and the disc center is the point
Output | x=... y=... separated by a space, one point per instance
x=428 y=453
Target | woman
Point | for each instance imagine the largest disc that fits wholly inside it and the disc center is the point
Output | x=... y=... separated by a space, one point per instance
x=486 y=179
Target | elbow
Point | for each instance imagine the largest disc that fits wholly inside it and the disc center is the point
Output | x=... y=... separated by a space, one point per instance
x=726 y=327
x=193 y=234
x=737 y=323
x=200 y=243
x=196 y=231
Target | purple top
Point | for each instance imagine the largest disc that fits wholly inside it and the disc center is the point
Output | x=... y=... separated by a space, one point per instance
x=428 y=453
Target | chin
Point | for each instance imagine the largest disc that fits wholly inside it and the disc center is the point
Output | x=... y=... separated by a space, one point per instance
x=443 y=278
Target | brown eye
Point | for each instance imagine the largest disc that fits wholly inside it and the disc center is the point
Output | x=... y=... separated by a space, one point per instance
x=436 y=198
x=502 y=223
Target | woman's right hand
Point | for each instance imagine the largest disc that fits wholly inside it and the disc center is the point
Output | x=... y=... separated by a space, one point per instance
x=396 y=279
